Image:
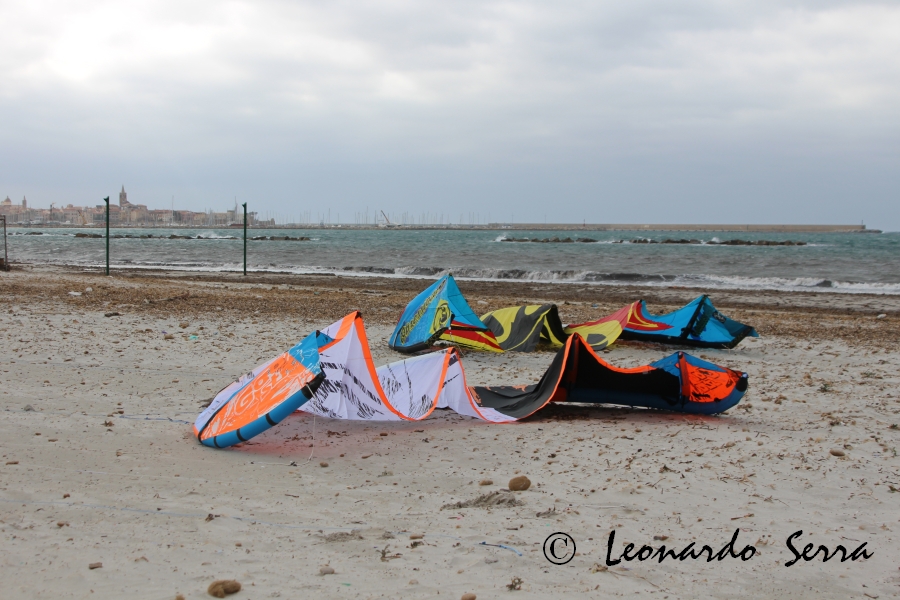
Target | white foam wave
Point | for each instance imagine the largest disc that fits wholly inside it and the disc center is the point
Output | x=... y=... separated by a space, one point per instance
x=580 y=277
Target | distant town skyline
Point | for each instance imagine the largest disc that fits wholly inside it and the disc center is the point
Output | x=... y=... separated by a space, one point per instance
x=123 y=213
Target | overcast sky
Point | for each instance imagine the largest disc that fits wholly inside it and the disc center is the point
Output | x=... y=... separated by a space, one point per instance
x=641 y=111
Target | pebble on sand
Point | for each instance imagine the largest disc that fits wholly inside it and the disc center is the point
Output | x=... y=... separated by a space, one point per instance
x=836 y=452
x=223 y=587
x=96 y=565
x=486 y=482
x=326 y=571
x=416 y=536
x=519 y=484
x=323 y=464
x=468 y=596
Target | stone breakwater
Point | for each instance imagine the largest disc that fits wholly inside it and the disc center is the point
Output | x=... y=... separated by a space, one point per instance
x=718 y=243
x=553 y=240
x=271 y=238
x=586 y=240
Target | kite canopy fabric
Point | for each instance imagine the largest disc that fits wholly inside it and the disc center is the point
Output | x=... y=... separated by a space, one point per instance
x=522 y=328
x=406 y=390
x=679 y=382
x=697 y=324
x=331 y=374
x=264 y=396
x=441 y=312
x=440 y=308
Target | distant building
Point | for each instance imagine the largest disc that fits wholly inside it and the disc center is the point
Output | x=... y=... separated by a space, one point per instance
x=15 y=213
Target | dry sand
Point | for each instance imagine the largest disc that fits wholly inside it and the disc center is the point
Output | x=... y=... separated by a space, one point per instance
x=99 y=464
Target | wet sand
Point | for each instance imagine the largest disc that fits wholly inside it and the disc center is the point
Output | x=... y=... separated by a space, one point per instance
x=99 y=464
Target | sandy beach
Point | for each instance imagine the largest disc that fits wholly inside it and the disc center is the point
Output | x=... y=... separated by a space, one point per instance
x=99 y=464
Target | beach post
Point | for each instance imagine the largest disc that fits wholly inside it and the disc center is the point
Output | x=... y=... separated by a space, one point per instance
x=5 y=253
x=245 y=237
x=107 y=234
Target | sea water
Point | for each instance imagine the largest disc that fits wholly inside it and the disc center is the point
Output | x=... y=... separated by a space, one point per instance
x=828 y=262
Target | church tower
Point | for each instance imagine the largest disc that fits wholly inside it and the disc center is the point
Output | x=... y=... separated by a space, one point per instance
x=123 y=198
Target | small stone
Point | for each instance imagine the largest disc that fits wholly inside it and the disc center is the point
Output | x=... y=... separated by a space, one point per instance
x=223 y=587
x=184 y=325
x=238 y=545
x=519 y=484
x=169 y=336
x=416 y=536
x=468 y=596
x=326 y=571
x=62 y=523
x=486 y=482
x=881 y=316
x=323 y=464
x=413 y=582
x=179 y=596
x=28 y=408
x=383 y=434
x=836 y=452
x=96 y=565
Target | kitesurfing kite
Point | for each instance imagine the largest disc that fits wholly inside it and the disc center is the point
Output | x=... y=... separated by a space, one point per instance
x=697 y=324
x=679 y=382
x=441 y=312
x=331 y=374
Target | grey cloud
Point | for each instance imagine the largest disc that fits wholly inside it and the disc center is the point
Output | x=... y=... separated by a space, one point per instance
x=510 y=105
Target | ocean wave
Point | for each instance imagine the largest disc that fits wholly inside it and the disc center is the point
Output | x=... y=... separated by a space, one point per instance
x=564 y=276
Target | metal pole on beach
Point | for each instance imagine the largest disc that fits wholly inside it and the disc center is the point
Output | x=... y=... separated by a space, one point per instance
x=245 y=237
x=107 y=234
x=5 y=253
